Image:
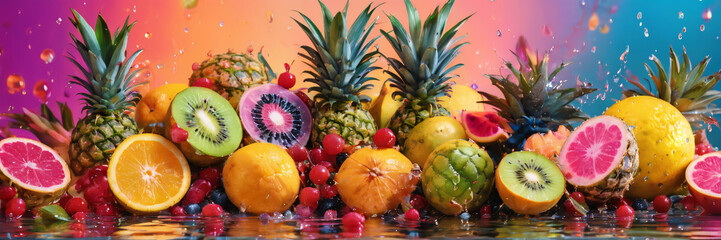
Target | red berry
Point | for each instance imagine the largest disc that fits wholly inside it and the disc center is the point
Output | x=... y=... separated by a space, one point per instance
x=384 y=138
x=319 y=174
x=7 y=193
x=689 y=202
x=625 y=211
x=98 y=171
x=412 y=215
x=79 y=216
x=317 y=155
x=75 y=205
x=327 y=165
x=486 y=210
x=212 y=210
x=330 y=214
x=353 y=221
x=211 y=174
x=15 y=208
x=333 y=144
x=578 y=196
x=197 y=191
x=298 y=153
x=303 y=210
x=661 y=204
x=177 y=211
x=328 y=191
x=570 y=209
x=203 y=82
x=101 y=182
x=82 y=184
x=195 y=66
x=286 y=79
x=418 y=201
x=309 y=196
x=177 y=134
x=96 y=195
x=106 y=209
x=304 y=97
x=64 y=199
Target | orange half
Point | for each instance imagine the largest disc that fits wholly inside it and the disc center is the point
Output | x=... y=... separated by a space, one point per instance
x=147 y=173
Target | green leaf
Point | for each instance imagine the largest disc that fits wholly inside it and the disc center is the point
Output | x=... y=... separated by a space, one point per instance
x=54 y=213
x=268 y=69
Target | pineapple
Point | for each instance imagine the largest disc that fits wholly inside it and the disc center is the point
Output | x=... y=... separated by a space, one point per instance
x=536 y=104
x=232 y=73
x=108 y=93
x=422 y=72
x=685 y=88
x=46 y=127
x=340 y=62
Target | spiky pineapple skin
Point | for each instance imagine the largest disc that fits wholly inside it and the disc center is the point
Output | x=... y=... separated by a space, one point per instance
x=411 y=114
x=95 y=137
x=232 y=74
x=618 y=181
x=351 y=122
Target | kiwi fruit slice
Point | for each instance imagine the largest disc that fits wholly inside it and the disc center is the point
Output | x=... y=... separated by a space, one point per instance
x=213 y=126
x=529 y=183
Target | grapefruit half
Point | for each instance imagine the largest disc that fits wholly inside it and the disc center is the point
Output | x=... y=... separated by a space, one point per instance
x=703 y=176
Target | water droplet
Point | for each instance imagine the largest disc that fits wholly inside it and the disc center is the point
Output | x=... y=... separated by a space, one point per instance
x=547 y=30
x=24 y=92
x=660 y=185
x=605 y=29
x=702 y=28
x=181 y=51
x=187 y=16
x=1 y=50
x=186 y=30
x=645 y=179
x=148 y=35
x=640 y=24
x=47 y=55
x=680 y=36
x=593 y=22
x=638 y=15
x=67 y=90
x=623 y=55
x=10 y=108
x=134 y=8
x=15 y=83
x=250 y=49
x=684 y=29
x=159 y=66
x=706 y=15
x=269 y=16
x=498 y=33
x=645 y=32
x=221 y=23
x=30 y=47
x=593 y=49
x=680 y=15
x=59 y=21
x=41 y=91
x=474 y=86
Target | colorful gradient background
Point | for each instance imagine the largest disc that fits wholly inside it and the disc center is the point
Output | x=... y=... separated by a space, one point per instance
x=174 y=38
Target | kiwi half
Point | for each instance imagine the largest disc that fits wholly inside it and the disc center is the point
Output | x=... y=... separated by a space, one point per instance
x=529 y=183
x=213 y=126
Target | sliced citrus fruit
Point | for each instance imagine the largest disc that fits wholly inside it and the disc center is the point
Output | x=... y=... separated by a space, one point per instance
x=36 y=170
x=703 y=176
x=148 y=174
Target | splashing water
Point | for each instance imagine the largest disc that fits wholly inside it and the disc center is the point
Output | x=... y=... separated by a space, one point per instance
x=547 y=30
x=474 y=86
x=702 y=28
x=41 y=91
x=638 y=16
x=221 y=23
x=498 y=33
x=15 y=83
x=593 y=22
x=684 y=29
x=645 y=32
x=148 y=35
x=623 y=55
x=59 y=21
x=706 y=15
x=680 y=15
x=47 y=55
x=269 y=16
x=680 y=36
x=605 y=29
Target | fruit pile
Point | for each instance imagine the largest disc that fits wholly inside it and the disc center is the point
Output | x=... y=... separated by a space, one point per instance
x=234 y=141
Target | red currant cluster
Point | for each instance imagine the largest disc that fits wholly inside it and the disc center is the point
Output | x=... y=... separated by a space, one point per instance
x=317 y=169
x=704 y=148
x=98 y=197
x=13 y=205
x=206 y=196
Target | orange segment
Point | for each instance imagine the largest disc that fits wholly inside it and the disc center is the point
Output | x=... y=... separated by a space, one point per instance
x=147 y=173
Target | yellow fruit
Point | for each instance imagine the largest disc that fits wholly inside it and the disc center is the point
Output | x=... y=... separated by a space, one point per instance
x=665 y=144
x=375 y=180
x=261 y=178
x=428 y=134
x=151 y=110
x=384 y=106
x=148 y=174
x=462 y=98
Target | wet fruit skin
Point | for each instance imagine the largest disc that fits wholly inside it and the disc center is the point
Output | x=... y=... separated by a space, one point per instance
x=384 y=138
x=624 y=211
x=428 y=135
x=661 y=204
x=7 y=193
x=15 y=208
x=151 y=110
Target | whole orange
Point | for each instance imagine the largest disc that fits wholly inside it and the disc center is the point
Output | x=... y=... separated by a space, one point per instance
x=375 y=180
x=261 y=178
x=151 y=110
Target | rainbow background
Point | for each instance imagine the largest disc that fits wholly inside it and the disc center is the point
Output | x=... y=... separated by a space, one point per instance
x=174 y=37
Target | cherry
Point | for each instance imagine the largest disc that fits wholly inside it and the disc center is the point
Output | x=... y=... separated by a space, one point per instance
x=319 y=174
x=625 y=211
x=384 y=138
x=96 y=195
x=578 y=196
x=212 y=210
x=106 y=209
x=298 y=153
x=203 y=82
x=75 y=205
x=97 y=171
x=412 y=215
x=486 y=211
x=327 y=165
x=689 y=202
x=304 y=97
x=617 y=202
x=177 y=211
x=418 y=201
x=353 y=221
x=195 y=66
x=333 y=144
x=317 y=155
x=212 y=174
x=15 y=208
x=177 y=134
x=309 y=196
x=64 y=199
x=568 y=205
x=197 y=192
x=7 y=193
x=286 y=79
x=328 y=191
x=79 y=216
x=661 y=204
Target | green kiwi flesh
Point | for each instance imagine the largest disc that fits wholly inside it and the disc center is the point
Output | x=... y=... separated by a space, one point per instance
x=532 y=176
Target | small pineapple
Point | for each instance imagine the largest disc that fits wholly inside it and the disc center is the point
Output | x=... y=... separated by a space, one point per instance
x=232 y=73
x=422 y=72
x=46 y=127
x=341 y=61
x=108 y=93
x=684 y=87
x=536 y=104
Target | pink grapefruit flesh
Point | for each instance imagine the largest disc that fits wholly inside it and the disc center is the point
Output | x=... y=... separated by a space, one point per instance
x=483 y=127
x=593 y=150
x=32 y=165
x=704 y=181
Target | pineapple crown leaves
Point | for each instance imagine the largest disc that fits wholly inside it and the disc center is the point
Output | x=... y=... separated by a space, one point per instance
x=339 y=57
x=684 y=87
x=106 y=78
x=535 y=96
x=425 y=52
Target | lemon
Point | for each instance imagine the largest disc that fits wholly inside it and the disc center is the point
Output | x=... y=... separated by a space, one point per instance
x=665 y=143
